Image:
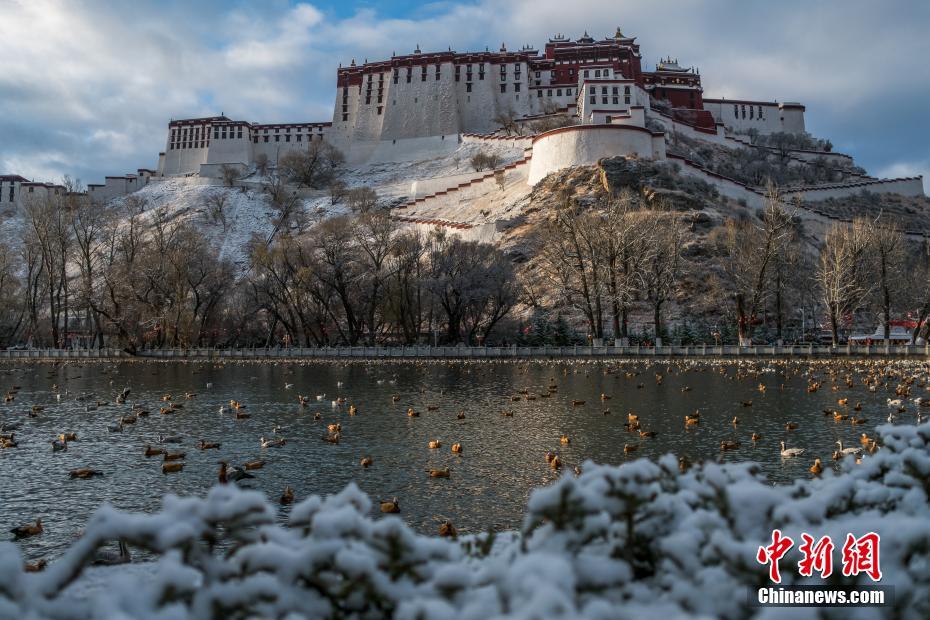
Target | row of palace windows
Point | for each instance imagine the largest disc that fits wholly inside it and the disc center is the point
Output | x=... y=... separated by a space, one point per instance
x=737 y=109
x=614 y=100
x=597 y=73
x=615 y=90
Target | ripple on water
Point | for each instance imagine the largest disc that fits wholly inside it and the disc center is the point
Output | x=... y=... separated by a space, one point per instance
x=503 y=457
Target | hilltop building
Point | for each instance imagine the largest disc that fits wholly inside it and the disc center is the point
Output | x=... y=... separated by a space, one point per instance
x=422 y=103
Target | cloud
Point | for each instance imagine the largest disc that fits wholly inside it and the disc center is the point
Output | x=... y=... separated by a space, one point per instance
x=907 y=169
x=88 y=87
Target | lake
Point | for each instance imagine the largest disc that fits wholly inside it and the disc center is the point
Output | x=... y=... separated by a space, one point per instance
x=503 y=458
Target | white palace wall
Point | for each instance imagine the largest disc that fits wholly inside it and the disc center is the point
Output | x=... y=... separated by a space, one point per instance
x=582 y=145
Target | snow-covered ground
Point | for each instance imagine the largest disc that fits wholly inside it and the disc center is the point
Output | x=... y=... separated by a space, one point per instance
x=642 y=540
x=247 y=211
x=247 y=208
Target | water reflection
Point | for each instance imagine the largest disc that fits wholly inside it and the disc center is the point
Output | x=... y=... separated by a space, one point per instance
x=502 y=458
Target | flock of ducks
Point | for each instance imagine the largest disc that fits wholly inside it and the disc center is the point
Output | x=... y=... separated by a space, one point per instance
x=904 y=383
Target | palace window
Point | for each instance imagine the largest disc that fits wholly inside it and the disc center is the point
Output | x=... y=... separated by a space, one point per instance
x=626 y=90
x=548 y=92
x=287 y=138
x=11 y=192
x=760 y=111
x=300 y=137
x=735 y=111
x=277 y=138
x=604 y=100
x=558 y=92
x=516 y=88
x=423 y=73
x=409 y=74
x=266 y=137
x=615 y=91
x=467 y=87
x=593 y=99
x=216 y=134
x=380 y=108
x=345 y=117
x=597 y=73
x=255 y=139
x=539 y=92
x=616 y=100
x=458 y=72
x=503 y=88
x=750 y=112
x=586 y=73
x=744 y=111
x=503 y=77
x=437 y=71
x=626 y=99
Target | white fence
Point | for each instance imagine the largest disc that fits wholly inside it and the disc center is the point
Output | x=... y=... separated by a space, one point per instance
x=511 y=352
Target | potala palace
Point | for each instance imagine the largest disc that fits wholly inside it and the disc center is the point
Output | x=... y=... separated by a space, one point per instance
x=572 y=104
x=423 y=103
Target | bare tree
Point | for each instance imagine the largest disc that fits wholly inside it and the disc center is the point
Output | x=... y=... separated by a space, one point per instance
x=662 y=266
x=886 y=258
x=842 y=272
x=571 y=249
x=749 y=248
x=262 y=165
x=49 y=231
x=285 y=204
x=375 y=234
x=337 y=191
x=215 y=205
x=230 y=174
x=507 y=119
x=361 y=199
x=485 y=160
x=88 y=224
x=314 y=167
x=12 y=306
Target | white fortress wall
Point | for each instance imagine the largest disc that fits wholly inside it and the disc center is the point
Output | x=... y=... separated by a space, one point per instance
x=229 y=151
x=484 y=233
x=908 y=186
x=763 y=116
x=672 y=126
x=582 y=145
x=425 y=187
x=410 y=149
x=466 y=201
x=185 y=161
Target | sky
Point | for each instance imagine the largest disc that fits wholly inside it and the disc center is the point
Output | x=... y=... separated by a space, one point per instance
x=87 y=87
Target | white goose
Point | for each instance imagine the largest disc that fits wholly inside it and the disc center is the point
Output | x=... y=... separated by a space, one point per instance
x=272 y=443
x=848 y=451
x=896 y=402
x=789 y=452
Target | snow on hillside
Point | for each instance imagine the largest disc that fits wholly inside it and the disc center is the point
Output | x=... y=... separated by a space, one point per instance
x=642 y=540
x=248 y=210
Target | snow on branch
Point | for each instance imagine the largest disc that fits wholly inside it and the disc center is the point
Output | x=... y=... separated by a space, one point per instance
x=639 y=540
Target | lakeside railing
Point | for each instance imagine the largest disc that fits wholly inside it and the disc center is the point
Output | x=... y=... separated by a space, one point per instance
x=463 y=352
